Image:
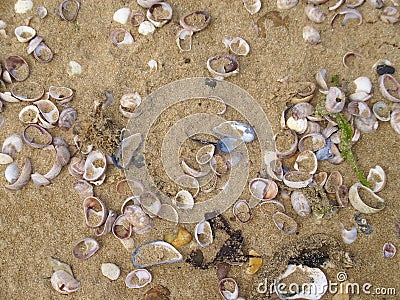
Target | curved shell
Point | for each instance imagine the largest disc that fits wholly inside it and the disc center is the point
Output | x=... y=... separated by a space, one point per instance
x=377 y=178
x=12 y=172
x=307 y=162
x=204 y=154
x=121 y=38
x=183 y=200
x=94 y=206
x=389 y=250
x=43 y=53
x=121 y=228
x=300 y=204
x=34 y=43
x=67 y=118
x=286 y=4
x=29 y=114
x=390 y=14
x=23 y=178
x=228 y=288
x=41 y=12
x=143 y=256
x=122 y=15
x=311 y=35
x=24 y=33
x=48 y=110
x=236 y=130
x=184 y=40
x=64 y=283
x=315 y=14
x=27 y=91
x=334 y=180
x=312 y=142
x=61 y=94
x=298 y=125
x=263 y=189
x=286 y=143
x=138 y=278
x=195 y=26
x=203 y=234
x=285 y=224
x=359 y=109
x=129 y=103
x=363 y=90
x=159 y=19
x=237 y=45
x=366 y=125
x=69 y=10
x=242 y=211
x=335 y=100
x=297 y=179
x=395 y=121
x=140 y=221
x=95 y=166
x=374 y=204
x=12 y=144
x=252 y=6
x=147 y=3
x=349 y=236
x=223 y=65
x=85 y=248
x=384 y=91
x=381 y=111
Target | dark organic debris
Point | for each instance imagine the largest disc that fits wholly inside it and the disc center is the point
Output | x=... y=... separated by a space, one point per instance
x=384 y=69
x=362 y=223
x=312 y=259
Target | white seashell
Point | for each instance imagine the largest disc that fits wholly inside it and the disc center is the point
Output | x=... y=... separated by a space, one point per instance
x=376 y=3
x=334 y=180
x=320 y=77
x=223 y=66
x=297 y=179
x=237 y=45
x=395 y=121
x=48 y=110
x=390 y=15
x=312 y=280
x=315 y=14
x=363 y=90
x=263 y=189
x=12 y=144
x=359 y=204
x=34 y=43
x=64 y=283
x=138 y=278
x=335 y=100
x=349 y=236
x=23 y=178
x=29 y=114
x=95 y=166
x=183 y=200
x=366 y=125
x=384 y=91
x=300 y=204
x=381 y=111
x=204 y=154
x=166 y=254
x=359 y=109
x=42 y=12
x=121 y=37
x=299 y=125
x=110 y=270
x=252 y=6
x=184 y=40
x=350 y=13
x=166 y=14
x=192 y=172
x=146 y=28
x=147 y=3
x=307 y=162
x=202 y=15
x=40 y=180
x=203 y=234
x=5 y=159
x=377 y=178
x=153 y=65
x=122 y=15
x=286 y=4
x=74 y=68
x=12 y=172
x=23 y=6
x=6 y=96
x=228 y=289
x=389 y=250
x=24 y=33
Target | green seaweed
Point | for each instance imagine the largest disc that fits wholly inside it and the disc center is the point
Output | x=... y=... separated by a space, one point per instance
x=335 y=80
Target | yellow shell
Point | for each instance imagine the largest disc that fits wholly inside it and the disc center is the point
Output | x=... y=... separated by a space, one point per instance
x=254 y=263
x=179 y=239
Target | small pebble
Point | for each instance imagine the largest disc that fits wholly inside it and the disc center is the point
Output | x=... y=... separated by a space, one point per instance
x=23 y=6
x=385 y=69
x=74 y=68
x=110 y=270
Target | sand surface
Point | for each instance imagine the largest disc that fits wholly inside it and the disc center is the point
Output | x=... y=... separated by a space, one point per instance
x=39 y=223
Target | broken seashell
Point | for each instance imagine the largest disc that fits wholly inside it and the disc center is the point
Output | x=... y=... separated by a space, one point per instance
x=95 y=212
x=40 y=180
x=286 y=4
x=389 y=250
x=85 y=248
x=159 y=14
x=252 y=6
x=121 y=38
x=147 y=3
x=95 y=166
x=320 y=77
x=34 y=130
x=359 y=109
x=376 y=3
x=166 y=253
x=300 y=204
x=110 y=270
x=108 y=224
x=17 y=67
x=6 y=96
x=204 y=154
x=29 y=114
x=384 y=91
x=183 y=200
x=61 y=94
x=12 y=172
x=223 y=65
x=43 y=53
x=299 y=125
x=184 y=40
x=364 y=90
x=129 y=103
x=122 y=15
x=146 y=28
x=12 y=144
x=381 y=111
x=368 y=202
x=228 y=288
x=195 y=21
x=237 y=130
x=23 y=6
x=285 y=224
x=121 y=228
x=203 y=234
x=69 y=10
x=395 y=121
x=302 y=110
x=286 y=142
x=336 y=5
x=5 y=159
x=350 y=13
x=67 y=118
x=366 y=125
x=34 y=43
x=138 y=278
x=349 y=236
x=83 y=188
x=74 y=68
x=335 y=100
x=42 y=12
x=390 y=15
x=311 y=35
x=307 y=162
x=315 y=14
x=312 y=141
x=347 y=55
x=242 y=211
x=137 y=18
x=48 y=110
x=376 y=178
x=333 y=182
x=237 y=45
x=305 y=94
x=24 y=33
x=320 y=178
x=255 y=262
x=23 y=178
x=140 y=221
x=297 y=179
x=27 y=91
x=263 y=189
x=64 y=282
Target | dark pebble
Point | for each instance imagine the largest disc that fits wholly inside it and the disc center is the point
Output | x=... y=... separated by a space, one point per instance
x=385 y=69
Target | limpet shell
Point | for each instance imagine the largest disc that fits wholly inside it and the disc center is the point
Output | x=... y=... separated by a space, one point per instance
x=138 y=278
x=64 y=282
x=158 y=18
x=285 y=224
x=167 y=254
x=377 y=178
x=85 y=248
x=17 y=67
x=24 y=33
x=203 y=234
x=300 y=204
x=297 y=179
x=381 y=111
x=263 y=189
x=223 y=65
x=359 y=204
x=194 y=27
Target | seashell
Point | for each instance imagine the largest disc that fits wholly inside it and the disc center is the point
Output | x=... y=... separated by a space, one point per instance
x=223 y=65
x=255 y=262
x=286 y=4
x=77 y=167
x=364 y=90
x=95 y=212
x=337 y=5
x=334 y=180
x=203 y=234
x=376 y=3
x=237 y=130
x=140 y=221
x=381 y=111
x=350 y=13
x=183 y=200
x=252 y=6
x=40 y=180
x=347 y=55
x=121 y=228
x=368 y=202
x=121 y=38
x=342 y=195
x=48 y=110
x=143 y=256
x=5 y=159
x=179 y=239
x=24 y=33
x=263 y=189
x=7 y=97
x=12 y=172
x=305 y=94
x=29 y=114
x=83 y=188
x=297 y=179
x=237 y=45
x=242 y=211
x=286 y=142
x=306 y=162
x=299 y=125
x=122 y=15
x=335 y=100
x=389 y=250
x=317 y=2
x=359 y=109
x=69 y=10
x=61 y=94
x=12 y=144
x=95 y=166
x=284 y=223
x=311 y=35
x=304 y=277
x=110 y=270
x=366 y=125
x=184 y=40
x=23 y=6
x=41 y=12
x=147 y=3
x=108 y=224
x=320 y=178
x=395 y=121
x=34 y=43
x=384 y=91
x=204 y=154
x=74 y=68
x=219 y=165
x=312 y=142
x=85 y=248
x=137 y=19
x=67 y=118
x=300 y=204
x=228 y=288
x=377 y=178
x=64 y=282
x=276 y=171
x=314 y=14
x=390 y=15
x=357 y=4
x=349 y=236
x=337 y=157
x=153 y=65
x=43 y=53
x=302 y=110
x=34 y=130
x=129 y=103
x=138 y=278
x=17 y=67
x=195 y=21
x=159 y=14
x=329 y=131
x=146 y=28
x=27 y=91
x=23 y=178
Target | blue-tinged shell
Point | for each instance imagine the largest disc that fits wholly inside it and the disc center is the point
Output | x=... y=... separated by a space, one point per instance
x=228 y=144
x=325 y=152
x=237 y=130
x=155 y=253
